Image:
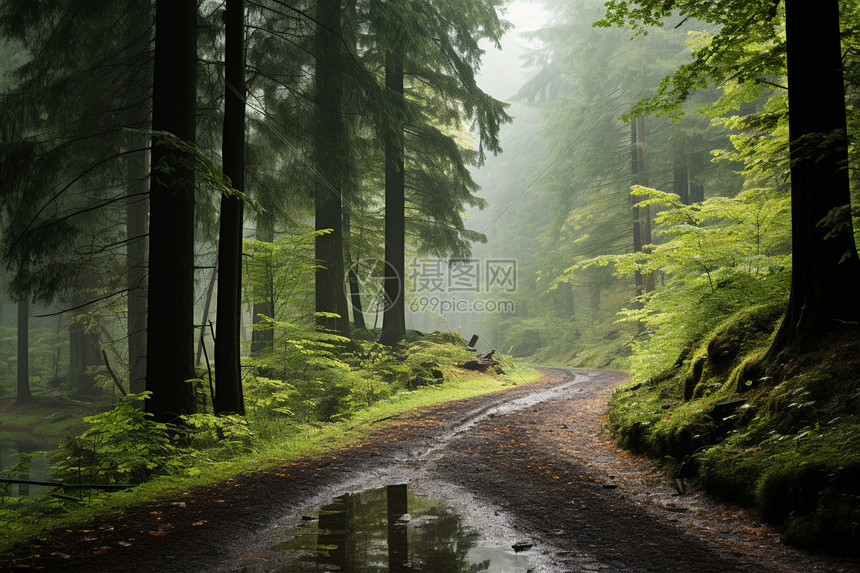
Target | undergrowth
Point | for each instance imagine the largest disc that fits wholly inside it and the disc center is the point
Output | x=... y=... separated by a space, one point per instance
x=310 y=397
x=782 y=436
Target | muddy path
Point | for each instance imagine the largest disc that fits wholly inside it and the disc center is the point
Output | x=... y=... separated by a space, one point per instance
x=530 y=466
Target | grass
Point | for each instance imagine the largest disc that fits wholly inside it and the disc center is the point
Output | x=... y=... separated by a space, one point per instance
x=292 y=442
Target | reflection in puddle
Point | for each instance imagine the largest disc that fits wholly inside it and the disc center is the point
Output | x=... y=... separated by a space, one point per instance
x=387 y=529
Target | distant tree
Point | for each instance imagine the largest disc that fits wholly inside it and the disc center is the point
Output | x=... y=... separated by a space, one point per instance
x=84 y=78
x=23 y=396
x=331 y=158
x=429 y=53
x=825 y=266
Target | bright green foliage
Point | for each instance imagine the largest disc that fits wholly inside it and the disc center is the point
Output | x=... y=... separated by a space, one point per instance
x=281 y=272
x=121 y=445
x=713 y=259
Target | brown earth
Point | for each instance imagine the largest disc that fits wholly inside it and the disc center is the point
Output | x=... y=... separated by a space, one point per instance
x=536 y=457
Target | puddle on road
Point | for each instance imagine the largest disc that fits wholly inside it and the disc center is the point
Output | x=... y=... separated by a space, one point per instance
x=385 y=530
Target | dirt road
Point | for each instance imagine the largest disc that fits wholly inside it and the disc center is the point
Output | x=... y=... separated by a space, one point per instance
x=520 y=480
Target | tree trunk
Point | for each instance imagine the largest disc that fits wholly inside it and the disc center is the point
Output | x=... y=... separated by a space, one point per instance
x=170 y=298
x=84 y=353
x=641 y=215
x=352 y=276
x=23 y=395
x=136 y=211
x=823 y=285
x=263 y=337
x=695 y=170
x=330 y=151
x=394 y=311
x=228 y=376
x=680 y=178
x=204 y=320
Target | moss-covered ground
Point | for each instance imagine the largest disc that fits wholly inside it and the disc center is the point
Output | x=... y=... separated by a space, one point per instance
x=779 y=434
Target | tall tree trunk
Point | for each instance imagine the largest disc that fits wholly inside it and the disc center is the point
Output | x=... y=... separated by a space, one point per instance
x=23 y=395
x=825 y=271
x=695 y=169
x=228 y=376
x=394 y=311
x=136 y=212
x=84 y=353
x=641 y=215
x=170 y=298
x=352 y=276
x=680 y=176
x=330 y=150
x=204 y=320
x=263 y=336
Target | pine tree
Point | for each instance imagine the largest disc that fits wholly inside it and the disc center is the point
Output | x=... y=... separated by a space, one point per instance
x=228 y=387
x=170 y=320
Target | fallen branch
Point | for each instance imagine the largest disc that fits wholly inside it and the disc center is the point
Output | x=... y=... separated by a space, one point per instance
x=110 y=487
x=112 y=375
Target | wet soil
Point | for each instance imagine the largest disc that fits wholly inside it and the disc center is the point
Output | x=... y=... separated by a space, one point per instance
x=531 y=465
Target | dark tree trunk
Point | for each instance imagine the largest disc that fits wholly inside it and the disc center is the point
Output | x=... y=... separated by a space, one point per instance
x=84 y=353
x=595 y=295
x=394 y=311
x=136 y=212
x=24 y=395
x=352 y=276
x=228 y=377
x=695 y=170
x=170 y=298
x=330 y=151
x=823 y=289
x=204 y=321
x=263 y=336
x=641 y=215
x=680 y=178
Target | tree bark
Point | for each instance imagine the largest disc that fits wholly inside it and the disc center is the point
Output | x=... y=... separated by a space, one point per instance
x=394 y=310
x=263 y=337
x=825 y=271
x=23 y=395
x=330 y=151
x=84 y=353
x=695 y=169
x=170 y=297
x=641 y=215
x=352 y=276
x=228 y=376
x=680 y=177
x=136 y=214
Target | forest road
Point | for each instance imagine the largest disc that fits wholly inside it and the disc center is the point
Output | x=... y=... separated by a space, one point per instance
x=530 y=466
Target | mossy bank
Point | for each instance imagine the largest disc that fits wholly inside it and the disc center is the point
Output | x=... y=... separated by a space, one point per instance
x=782 y=435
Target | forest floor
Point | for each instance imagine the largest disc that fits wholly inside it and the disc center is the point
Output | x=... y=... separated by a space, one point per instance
x=530 y=466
